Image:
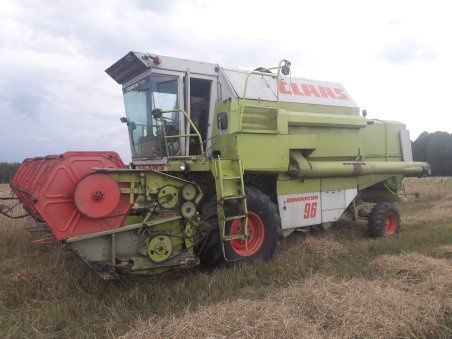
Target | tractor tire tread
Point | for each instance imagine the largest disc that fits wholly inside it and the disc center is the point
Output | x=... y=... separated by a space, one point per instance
x=212 y=255
x=377 y=218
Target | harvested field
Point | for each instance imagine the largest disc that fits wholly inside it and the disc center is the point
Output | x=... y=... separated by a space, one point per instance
x=336 y=283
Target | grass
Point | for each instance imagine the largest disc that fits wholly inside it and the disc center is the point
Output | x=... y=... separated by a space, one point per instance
x=337 y=283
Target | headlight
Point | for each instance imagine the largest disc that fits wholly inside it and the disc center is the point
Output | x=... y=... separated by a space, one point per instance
x=183 y=165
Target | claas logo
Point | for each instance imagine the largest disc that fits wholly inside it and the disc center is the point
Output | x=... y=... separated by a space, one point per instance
x=318 y=91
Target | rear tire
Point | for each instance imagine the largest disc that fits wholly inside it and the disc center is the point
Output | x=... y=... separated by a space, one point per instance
x=384 y=220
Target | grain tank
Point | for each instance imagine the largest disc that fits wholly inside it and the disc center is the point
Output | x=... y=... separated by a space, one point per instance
x=224 y=162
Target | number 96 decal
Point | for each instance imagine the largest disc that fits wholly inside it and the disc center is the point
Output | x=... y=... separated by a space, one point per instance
x=310 y=210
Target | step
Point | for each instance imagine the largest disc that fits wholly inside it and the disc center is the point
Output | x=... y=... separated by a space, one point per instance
x=256 y=118
x=241 y=216
x=233 y=236
x=259 y=131
x=231 y=197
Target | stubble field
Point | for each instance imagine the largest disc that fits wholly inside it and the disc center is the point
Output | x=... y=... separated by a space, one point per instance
x=337 y=283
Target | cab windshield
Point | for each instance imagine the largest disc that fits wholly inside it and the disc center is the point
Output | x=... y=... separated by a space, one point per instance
x=140 y=98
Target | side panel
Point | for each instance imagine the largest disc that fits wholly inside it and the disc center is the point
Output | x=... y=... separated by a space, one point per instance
x=405 y=142
x=298 y=210
x=332 y=143
x=314 y=201
x=335 y=202
x=262 y=152
x=381 y=141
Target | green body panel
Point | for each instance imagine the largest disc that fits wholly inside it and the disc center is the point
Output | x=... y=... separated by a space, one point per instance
x=318 y=136
x=307 y=119
x=260 y=152
x=289 y=185
x=381 y=141
x=332 y=184
x=323 y=109
x=321 y=135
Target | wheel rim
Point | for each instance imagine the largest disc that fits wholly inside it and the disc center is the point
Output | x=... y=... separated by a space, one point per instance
x=390 y=224
x=256 y=237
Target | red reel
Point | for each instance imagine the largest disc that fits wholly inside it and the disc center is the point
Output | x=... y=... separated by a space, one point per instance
x=70 y=196
x=97 y=195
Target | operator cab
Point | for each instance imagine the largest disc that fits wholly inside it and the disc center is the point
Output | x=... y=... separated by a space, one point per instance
x=170 y=85
x=140 y=98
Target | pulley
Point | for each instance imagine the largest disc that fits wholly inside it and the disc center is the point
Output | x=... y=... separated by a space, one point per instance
x=168 y=197
x=160 y=248
x=189 y=192
x=188 y=209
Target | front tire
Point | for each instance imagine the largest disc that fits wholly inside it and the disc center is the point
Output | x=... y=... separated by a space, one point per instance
x=384 y=220
x=263 y=225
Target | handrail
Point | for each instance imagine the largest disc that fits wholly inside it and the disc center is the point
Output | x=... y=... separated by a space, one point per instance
x=272 y=75
x=165 y=137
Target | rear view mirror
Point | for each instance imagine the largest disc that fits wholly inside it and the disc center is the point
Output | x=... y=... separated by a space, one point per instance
x=132 y=125
x=129 y=123
x=157 y=113
x=222 y=120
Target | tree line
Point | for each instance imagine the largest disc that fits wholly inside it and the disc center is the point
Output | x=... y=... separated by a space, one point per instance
x=7 y=171
x=436 y=149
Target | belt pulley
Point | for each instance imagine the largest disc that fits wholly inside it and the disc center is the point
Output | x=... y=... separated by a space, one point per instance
x=168 y=197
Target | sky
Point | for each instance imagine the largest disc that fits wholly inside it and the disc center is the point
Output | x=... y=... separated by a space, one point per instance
x=393 y=57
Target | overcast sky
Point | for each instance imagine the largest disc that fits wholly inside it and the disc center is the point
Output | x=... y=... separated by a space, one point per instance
x=393 y=57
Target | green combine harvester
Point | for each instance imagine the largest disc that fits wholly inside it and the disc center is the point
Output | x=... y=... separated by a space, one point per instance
x=224 y=162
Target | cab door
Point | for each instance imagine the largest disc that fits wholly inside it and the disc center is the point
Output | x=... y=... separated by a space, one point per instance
x=176 y=118
x=200 y=92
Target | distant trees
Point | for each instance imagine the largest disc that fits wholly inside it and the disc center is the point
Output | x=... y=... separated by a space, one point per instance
x=435 y=148
x=7 y=171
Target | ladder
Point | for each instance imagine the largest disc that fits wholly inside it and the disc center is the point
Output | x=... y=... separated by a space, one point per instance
x=230 y=187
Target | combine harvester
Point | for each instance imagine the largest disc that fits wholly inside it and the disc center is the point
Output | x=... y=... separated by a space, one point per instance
x=224 y=162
